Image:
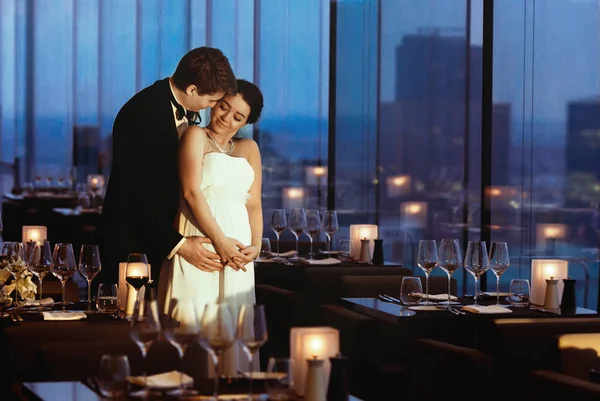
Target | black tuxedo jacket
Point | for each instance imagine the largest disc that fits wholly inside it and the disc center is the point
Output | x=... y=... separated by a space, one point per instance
x=142 y=196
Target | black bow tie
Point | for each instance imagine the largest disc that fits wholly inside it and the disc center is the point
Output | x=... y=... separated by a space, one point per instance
x=192 y=117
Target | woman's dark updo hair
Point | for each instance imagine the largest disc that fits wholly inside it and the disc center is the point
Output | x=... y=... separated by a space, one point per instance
x=253 y=96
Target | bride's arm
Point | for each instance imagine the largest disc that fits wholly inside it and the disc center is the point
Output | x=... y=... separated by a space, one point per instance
x=254 y=204
x=192 y=146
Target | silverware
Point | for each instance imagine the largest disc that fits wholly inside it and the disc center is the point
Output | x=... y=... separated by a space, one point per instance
x=387 y=298
x=393 y=299
x=456 y=311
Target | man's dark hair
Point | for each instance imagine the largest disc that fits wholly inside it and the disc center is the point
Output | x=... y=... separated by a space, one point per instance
x=208 y=69
x=253 y=96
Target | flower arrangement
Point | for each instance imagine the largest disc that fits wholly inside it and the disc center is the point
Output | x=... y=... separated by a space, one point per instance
x=25 y=287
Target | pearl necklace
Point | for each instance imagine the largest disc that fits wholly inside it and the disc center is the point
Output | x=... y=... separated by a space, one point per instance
x=225 y=152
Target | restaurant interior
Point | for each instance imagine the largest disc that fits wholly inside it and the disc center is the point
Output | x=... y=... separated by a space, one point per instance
x=430 y=199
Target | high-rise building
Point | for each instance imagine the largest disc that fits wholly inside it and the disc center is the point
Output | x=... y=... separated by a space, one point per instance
x=423 y=131
x=583 y=153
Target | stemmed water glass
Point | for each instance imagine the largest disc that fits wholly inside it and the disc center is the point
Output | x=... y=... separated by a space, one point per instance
x=138 y=273
x=39 y=262
x=297 y=225
x=252 y=334
x=499 y=262
x=278 y=224
x=89 y=267
x=313 y=227
x=145 y=331
x=427 y=260
x=217 y=334
x=450 y=258
x=181 y=328
x=477 y=263
x=330 y=225
x=64 y=267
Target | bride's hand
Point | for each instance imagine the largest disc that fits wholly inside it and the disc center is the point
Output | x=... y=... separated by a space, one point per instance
x=251 y=253
x=228 y=250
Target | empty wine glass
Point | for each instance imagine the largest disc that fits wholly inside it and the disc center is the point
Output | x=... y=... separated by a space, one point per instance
x=518 y=292
x=297 y=224
x=64 y=267
x=427 y=260
x=89 y=267
x=411 y=293
x=112 y=376
x=280 y=379
x=330 y=225
x=252 y=334
x=217 y=334
x=477 y=263
x=265 y=248
x=138 y=273
x=145 y=331
x=13 y=261
x=450 y=258
x=313 y=226
x=278 y=224
x=499 y=262
x=181 y=328
x=39 y=262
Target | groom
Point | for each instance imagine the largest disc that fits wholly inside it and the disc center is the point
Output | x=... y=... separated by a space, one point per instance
x=142 y=196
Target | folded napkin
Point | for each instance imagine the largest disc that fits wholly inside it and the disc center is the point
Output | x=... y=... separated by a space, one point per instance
x=44 y=302
x=440 y=297
x=493 y=294
x=58 y=315
x=264 y=375
x=287 y=254
x=429 y=308
x=328 y=261
x=490 y=309
x=164 y=380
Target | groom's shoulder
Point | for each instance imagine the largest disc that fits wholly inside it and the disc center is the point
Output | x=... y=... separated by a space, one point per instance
x=148 y=97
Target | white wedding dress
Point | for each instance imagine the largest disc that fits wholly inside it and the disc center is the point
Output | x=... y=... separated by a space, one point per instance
x=225 y=184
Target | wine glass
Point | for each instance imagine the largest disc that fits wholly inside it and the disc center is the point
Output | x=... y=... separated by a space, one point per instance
x=39 y=262
x=313 y=226
x=217 y=334
x=64 y=267
x=499 y=262
x=280 y=379
x=252 y=334
x=89 y=267
x=138 y=273
x=278 y=224
x=477 y=263
x=145 y=330
x=411 y=293
x=450 y=258
x=181 y=328
x=330 y=225
x=13 y=261
x=518 y=292
x=427 y=260
x=297 y=225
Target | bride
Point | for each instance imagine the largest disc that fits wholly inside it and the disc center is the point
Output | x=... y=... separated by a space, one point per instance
x=221 y=199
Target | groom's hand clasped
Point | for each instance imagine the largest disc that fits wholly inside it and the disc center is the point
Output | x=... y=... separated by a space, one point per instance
x=195 y=253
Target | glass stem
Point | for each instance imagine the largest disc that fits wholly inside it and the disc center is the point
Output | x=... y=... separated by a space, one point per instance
x=329 y=238
x=89 y=295
x=427 y=302
x=251 y=371
x=277 y=235
x=476 y=296
x=144 y=352
x=216 y=387
x=64 y=300
x=40 y=278
x=449 y=301
x=181 y=350
x=297 y=253
x=497 y=290
x=311 y=247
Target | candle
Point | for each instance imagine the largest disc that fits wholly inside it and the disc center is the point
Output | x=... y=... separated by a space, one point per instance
x=542 y=270
x=359 y=232
x=398 y=185
x=34 y=233
x=95 y=182
x=293 y=197
x=316 y=343
x=413 y=214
